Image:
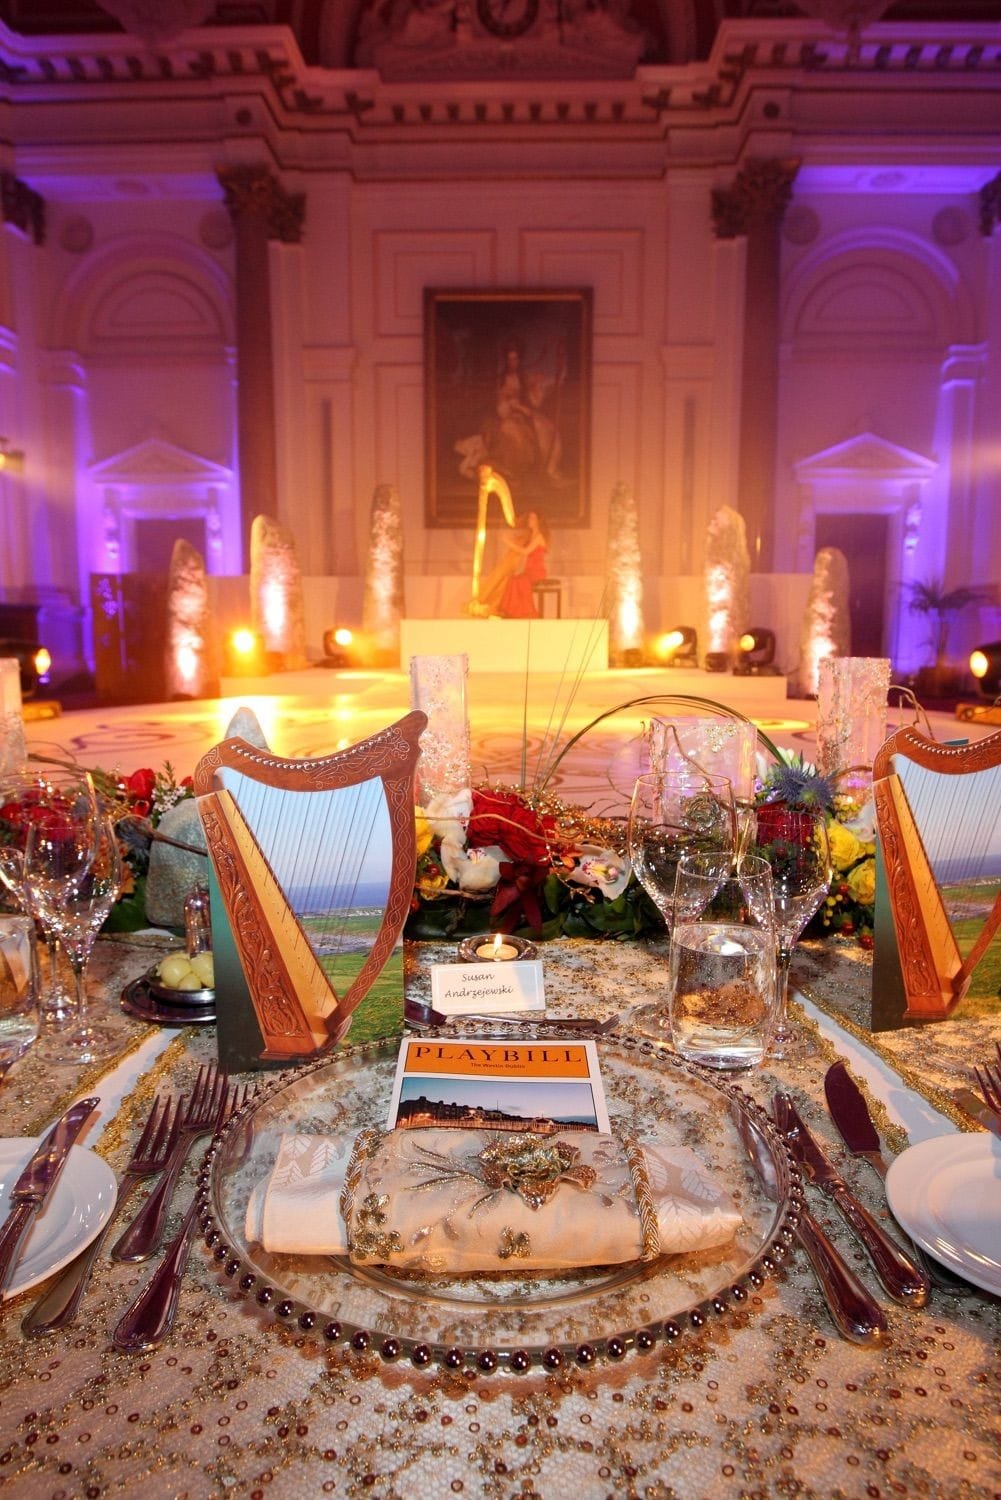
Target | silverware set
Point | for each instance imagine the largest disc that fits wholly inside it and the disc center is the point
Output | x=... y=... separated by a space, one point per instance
x=168 y=1136
x=904 y=1273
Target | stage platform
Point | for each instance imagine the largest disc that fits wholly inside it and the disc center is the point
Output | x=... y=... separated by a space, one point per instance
x=570 y=646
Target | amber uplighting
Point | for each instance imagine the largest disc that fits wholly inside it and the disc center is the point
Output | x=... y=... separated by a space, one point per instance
x=676 y=648
x=244 y=653
x=985 y=664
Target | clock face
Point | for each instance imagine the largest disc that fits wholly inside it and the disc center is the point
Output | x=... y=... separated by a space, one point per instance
x=507 y=17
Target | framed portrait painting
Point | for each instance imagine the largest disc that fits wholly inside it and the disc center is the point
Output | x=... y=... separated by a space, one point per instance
x=508 y=383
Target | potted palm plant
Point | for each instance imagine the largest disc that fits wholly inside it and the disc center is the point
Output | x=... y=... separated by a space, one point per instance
x=928 y=596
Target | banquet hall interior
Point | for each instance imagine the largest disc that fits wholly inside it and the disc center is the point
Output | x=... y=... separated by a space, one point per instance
x=608 y=361
x=268 y=263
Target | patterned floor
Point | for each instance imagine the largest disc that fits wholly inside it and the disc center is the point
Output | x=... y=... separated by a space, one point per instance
x=519 y=731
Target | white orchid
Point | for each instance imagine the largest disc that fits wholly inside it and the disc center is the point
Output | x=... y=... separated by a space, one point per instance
x=604 y=869
x=471 y=869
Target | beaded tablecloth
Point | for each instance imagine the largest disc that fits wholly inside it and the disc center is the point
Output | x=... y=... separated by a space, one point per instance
x=764 y=1401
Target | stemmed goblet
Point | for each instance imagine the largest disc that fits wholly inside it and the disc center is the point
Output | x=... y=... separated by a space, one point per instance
x=673 y=814
x=26 y=799
x=73 y=871
x=794 y=842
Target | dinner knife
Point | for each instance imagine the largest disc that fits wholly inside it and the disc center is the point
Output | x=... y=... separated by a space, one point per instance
x=850 y=1113
x=901 y=1277
x=36 y=1182
x=856 y=1314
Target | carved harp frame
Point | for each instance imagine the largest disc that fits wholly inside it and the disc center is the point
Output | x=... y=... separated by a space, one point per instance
x=390 y=756
x=934 y=975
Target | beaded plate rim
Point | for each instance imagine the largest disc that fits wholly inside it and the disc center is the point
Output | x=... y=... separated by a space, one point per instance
x=289 y=1311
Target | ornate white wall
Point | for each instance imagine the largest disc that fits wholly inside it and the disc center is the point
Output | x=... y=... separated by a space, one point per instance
x=118 y=334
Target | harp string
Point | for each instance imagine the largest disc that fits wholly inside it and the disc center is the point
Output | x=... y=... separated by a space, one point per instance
x=958 y=819
x=323 y=849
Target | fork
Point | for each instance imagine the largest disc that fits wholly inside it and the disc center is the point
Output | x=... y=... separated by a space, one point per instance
x=150 y=1317
x=57 y=1308
x=201 y=1116
x=989 y=1080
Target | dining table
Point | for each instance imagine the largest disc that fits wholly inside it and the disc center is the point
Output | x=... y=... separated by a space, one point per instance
x=747 y=1390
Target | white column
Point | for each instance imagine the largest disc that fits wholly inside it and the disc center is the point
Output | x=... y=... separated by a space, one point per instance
x=961 y=375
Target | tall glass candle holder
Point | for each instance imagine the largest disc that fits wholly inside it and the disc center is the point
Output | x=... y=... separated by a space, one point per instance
x=851 y=719
x=13 y=753
x=438 y=686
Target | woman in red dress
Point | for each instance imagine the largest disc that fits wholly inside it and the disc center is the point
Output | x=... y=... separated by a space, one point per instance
x=517 y=602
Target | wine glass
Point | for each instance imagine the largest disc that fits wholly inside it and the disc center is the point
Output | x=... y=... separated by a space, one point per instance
x=73 y=870
x=26 y=798
x=18 y=989
x=794 y=842
x=673 y=814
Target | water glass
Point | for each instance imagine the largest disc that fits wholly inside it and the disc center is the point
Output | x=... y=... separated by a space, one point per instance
x=18 y=989
x=721 y=986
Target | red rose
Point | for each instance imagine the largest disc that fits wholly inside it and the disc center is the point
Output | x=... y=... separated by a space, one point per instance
x=502 y=818
x=140 y=785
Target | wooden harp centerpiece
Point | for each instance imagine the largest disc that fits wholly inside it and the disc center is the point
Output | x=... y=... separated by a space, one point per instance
x=314 y=863
x=938 y=900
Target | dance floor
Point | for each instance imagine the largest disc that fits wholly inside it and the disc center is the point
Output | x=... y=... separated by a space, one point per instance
x=519 y=729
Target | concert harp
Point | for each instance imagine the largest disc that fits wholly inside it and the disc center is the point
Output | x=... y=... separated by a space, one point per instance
x=314 y=864
x=938 y=903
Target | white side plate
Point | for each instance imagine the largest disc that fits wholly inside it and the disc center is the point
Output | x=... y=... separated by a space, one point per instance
x=947 y=1195
x=76 y=1210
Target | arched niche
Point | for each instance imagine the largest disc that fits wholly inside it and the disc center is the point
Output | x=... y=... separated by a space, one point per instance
x=157 y=293
x=876 y=288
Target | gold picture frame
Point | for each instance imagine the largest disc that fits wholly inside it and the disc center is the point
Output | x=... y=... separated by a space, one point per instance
x=508 y=383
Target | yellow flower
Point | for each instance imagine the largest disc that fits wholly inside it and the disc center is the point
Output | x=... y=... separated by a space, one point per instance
x=845 y=847
x=862 y=882
x=424 y=834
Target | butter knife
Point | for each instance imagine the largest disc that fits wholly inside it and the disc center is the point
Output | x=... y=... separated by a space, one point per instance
x=36 y=1182
x=856 y=1314
x=901 y=1277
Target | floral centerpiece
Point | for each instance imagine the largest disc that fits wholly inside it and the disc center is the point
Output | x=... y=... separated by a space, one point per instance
x=849 y=908
x=493 y=860
x=496 y=859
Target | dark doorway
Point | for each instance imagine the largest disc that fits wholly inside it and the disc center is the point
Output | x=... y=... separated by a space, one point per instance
x=155 y=540
x=862 y=538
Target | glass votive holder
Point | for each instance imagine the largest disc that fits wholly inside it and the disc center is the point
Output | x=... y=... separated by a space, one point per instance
x=496 y=947
x=197 y=921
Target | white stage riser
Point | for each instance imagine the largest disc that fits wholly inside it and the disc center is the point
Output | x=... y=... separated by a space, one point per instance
x=572 y=646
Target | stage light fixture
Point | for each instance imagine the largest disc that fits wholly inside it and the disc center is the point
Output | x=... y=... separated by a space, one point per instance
x=756 y=654
x=985 y=664
x=244 y=653
x=677 y=648
x=337 y=647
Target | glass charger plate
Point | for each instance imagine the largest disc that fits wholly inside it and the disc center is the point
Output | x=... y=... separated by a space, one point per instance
x=506 y=1319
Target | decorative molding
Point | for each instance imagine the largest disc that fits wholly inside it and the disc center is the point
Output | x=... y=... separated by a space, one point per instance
x=155 y=460
x=255 y=190
x=869 y=453
x=759 y=197
x=157 y=21
x=22 y=207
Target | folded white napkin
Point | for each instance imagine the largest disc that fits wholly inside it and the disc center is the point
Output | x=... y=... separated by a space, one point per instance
x=459 y=1201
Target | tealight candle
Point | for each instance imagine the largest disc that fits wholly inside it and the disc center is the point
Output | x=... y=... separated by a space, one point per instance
x=498 y=950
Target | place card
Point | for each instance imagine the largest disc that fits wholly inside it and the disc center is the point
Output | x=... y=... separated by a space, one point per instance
x=487 y=989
